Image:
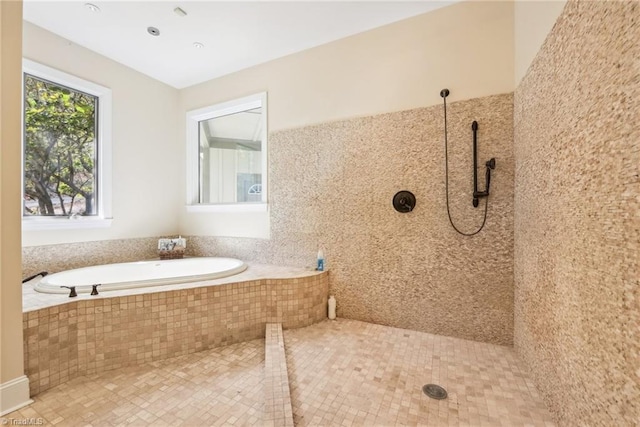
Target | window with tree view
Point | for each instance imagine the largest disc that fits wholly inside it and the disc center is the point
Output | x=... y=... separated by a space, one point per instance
x=60 y=150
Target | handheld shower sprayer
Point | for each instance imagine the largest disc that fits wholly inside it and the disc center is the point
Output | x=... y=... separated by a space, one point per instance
x=489 y=165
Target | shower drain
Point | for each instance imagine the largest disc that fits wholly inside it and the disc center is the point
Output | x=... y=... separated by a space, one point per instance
x=434 y=391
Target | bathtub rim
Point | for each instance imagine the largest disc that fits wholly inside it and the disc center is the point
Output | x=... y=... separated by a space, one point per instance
x=45 y=288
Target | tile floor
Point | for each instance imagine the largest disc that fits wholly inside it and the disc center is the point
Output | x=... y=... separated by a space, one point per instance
x=341 y=373
x=347 y=373
x=278 y=411
x=217 y=387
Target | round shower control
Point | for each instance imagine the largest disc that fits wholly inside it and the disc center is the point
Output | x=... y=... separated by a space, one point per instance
x=404 y=201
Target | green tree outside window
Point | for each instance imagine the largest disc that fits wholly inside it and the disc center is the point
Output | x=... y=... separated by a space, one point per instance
x=60 y=146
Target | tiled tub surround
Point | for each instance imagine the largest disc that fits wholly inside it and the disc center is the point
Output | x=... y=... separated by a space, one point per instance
x=577 y=211
x=65 y=338
x=332 y=184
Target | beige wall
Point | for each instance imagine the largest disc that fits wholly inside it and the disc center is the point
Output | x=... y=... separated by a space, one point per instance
x=11 y=358
x=577 y=222
x=146 y=142
x=533 y=20
x=467 y=47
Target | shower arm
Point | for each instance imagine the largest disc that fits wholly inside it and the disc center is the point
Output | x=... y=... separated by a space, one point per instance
x=491 y=164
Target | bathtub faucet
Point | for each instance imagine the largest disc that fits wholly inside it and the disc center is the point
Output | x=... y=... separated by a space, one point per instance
x=30 y=278
x=72 y=289
x=94 y=289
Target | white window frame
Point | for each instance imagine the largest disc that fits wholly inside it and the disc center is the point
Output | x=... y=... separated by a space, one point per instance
x=104 y=156
x=194 y=117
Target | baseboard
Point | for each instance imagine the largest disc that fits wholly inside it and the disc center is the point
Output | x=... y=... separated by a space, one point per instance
x=14 y=394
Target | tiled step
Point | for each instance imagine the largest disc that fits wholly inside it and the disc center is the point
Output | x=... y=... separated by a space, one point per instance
x=277 y=400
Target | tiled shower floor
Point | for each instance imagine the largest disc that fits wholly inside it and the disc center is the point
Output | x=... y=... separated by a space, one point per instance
x=341 y=373
x=349 y=372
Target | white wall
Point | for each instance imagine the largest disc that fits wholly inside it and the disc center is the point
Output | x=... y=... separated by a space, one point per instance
x=146 y=138
x=467 y=47
x=533 y=20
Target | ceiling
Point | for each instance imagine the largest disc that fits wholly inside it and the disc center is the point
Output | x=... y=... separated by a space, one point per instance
x=235 y=34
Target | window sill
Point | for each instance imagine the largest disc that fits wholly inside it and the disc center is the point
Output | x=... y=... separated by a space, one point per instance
x=231 y=207
x=35 y=224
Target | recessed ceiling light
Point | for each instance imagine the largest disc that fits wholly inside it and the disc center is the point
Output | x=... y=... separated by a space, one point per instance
x=92 y=7
x=153 y=31
x=198 y=45
x=180 y=12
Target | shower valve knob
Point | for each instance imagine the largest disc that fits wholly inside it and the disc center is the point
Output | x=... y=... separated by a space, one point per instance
x=404 y=201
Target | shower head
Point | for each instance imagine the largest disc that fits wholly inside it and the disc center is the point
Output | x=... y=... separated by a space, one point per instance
x=444 y=93
x=491 y=163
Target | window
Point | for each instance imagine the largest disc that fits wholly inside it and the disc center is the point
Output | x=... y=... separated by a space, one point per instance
x=226 y=154
x=66 y=150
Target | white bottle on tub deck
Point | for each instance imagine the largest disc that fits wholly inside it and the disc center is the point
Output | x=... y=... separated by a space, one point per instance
x=332 y=307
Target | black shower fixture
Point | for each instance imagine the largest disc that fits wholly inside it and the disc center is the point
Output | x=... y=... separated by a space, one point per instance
x=404 y=201
x=489 y=165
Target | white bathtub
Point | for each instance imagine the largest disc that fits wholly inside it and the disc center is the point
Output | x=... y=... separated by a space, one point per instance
x=140 y=274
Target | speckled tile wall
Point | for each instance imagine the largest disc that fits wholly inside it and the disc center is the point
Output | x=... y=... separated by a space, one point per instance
x=577 y=215
x=332 y=184
x=54 y=258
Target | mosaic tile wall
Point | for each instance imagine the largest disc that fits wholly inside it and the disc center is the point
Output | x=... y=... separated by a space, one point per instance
x=577 y=205
x=54 y=258
x=86 y=337
x=332 y=184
